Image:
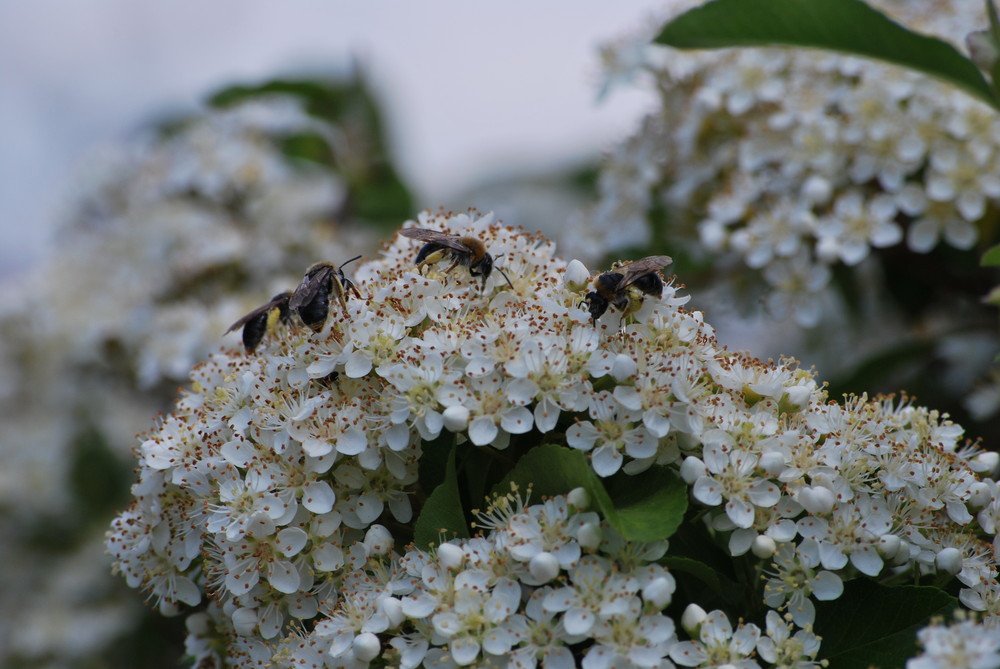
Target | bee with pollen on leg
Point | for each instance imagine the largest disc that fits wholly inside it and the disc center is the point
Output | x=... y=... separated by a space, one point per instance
x=264 y=320
x=311 y=299
x=466 y=251
x=625 y=286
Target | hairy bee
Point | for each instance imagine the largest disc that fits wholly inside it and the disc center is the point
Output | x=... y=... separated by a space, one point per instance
x=263 y=320
x=465 y=251
x=311 y=299
x=624 y=285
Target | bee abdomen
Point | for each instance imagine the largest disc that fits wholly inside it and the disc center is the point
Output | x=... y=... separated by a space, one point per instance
x=650 y=284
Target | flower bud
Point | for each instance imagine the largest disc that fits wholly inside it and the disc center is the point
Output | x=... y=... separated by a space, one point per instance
x=659 y=591
x=763 y=547
x=817 y=190
x=985 y=462
x=772 y=462
x=578 y=498
x=577 y=275
x=544 y=567
x=378 y=540
x=889 y=545
x=451 y=557
x=392 y=608
x=980 y=495
x=366 y=647
x=691 y=469
x=590 y=536
x=692 y=619
x=949 y=560
x=245 y=620
x=816 y=499
x=456 y=418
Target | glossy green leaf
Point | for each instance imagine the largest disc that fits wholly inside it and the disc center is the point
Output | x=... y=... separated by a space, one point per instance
x=650 y=506
x=991 y=258
x=647 y=507
x=849 y=26
x=555 y=470
x=442 y=515
x=876 y=625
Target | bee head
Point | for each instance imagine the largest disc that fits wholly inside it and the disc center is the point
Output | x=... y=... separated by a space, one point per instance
x=596 y=303
x=483 y=266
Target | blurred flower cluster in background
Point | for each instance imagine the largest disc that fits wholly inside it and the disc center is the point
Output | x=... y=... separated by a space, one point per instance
x=173 y=239
x=851 y=196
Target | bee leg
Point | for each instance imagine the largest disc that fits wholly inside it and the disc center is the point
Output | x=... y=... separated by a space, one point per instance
x=338 y=288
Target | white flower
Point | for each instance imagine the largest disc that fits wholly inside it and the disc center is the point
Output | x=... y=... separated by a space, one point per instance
x=795 y=580
x=966 y=643
x=718 y=645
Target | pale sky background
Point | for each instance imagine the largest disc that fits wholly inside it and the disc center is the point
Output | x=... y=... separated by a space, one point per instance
x=469 y=87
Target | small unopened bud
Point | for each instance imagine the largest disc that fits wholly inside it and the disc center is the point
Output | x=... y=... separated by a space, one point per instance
x=980 y=495
x=949 y=560
x=366 y=646
x=456 y=418
x=817 y=190
x=577 y=275
x=772 y=462
x=816 y=499
x=544 y=567
x=392 y=608
x=623 y=367
x=763 y=547
x=692 y=619
x=692 y=469
x=889 y=545
x=986 y=461
x=659 y=591
x=590 y=536
x=245 y=620
x=578 y=498
x=451 y=557
x=378 y=540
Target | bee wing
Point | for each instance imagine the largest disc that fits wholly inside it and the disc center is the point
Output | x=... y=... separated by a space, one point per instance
x=306 y=291
x=249 y=317
x=442 y=238
x=275 y=302
x=639 y=268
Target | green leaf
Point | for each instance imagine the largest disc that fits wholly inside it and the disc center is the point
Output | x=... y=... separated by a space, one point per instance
x=876 y=625
x=442 y=514
x=650 y=506
x=849 y=26
x=700 y=570
x=991 y=258
x=647 y=507
x=555 y=470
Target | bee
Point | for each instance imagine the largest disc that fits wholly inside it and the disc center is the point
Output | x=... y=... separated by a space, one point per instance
x=311 y=299
x=465 y=251
x=624 y=285
x=263 y=320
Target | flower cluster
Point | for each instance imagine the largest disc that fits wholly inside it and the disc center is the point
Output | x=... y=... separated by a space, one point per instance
x=271 y=485
x=963 y=643
x=798 y=160
x=173 y=238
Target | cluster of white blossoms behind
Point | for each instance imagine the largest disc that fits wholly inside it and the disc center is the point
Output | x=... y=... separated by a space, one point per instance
x=797 y=160
x=264 y=498
x=172 y=239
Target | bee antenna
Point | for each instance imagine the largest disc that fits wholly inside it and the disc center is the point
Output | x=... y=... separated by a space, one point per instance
x=348 y=262
x=507 y=278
